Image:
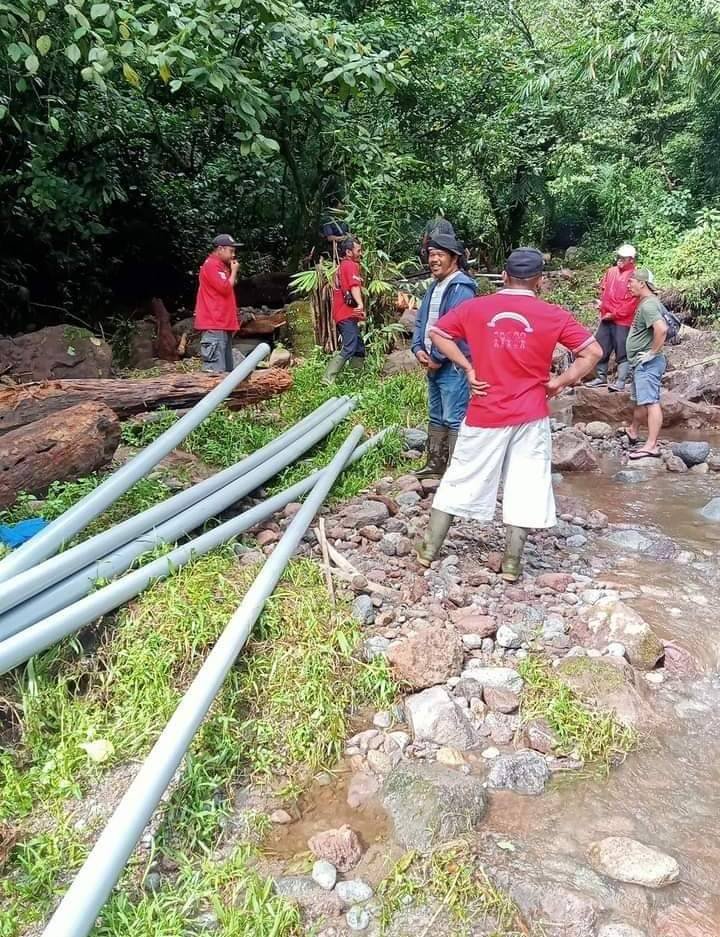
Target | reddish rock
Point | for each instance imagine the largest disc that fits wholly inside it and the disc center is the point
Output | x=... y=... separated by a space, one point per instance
x=429 y=657
x=371 y=532
x=558 y=582
x=572 y=452
x=501 y=701
x=494 y=562
x=484 y=625
x=430 y=484
x=539 y=735
x=679 y=661
x=266 y=537
x=341 y=847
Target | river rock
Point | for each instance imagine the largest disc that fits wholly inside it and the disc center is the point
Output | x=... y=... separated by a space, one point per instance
x=367 y=513
x=468 y=689
x=620 y=930
x=501 y=678
x=414 y=437
x=341 y=847
x=428 y=657
x=501 y=701
x=434 y=716
x=399 y=362
x=558 y=582
x=525 y=772
x=324 y=874
x=571 y=452
x=631 y=540
x=692 y=453
x=611 y=620
x=353 y=891
x=673 y=463
x=362 y=787
x=711 y=511
x=484 y=625
x=607 y=684
x=596 y=429
x=357 y=919
x=540 y=736
x=630 y=476
x=363 y=610
x=431 y=804
x=508 y=638
x=627 y=860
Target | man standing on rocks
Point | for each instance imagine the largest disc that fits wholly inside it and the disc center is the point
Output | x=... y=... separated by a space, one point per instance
x=506 y=434
x=617 y=309
x=645 y=353
x=448 y=391
x=216 y=314
x=348 y=310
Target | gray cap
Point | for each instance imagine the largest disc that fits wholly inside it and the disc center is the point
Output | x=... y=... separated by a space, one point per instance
x=225 y=240
x=525 y=263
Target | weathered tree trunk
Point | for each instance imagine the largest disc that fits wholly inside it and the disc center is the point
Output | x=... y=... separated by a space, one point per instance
x=65 y=445
x=28 y=402
x=263 y=325
x=166 y=345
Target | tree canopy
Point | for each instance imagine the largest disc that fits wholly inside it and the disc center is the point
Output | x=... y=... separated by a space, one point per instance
x=131 y=132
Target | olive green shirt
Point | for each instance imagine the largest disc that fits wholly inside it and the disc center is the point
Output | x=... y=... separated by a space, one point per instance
x=641 y=335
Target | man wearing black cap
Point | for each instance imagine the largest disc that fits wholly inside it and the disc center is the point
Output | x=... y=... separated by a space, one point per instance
x=448 y=391
x=505 y=436
x=216 y=307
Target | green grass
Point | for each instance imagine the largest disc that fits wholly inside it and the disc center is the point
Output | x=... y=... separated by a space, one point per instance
x=596 y=737
x=454 y=877
x=282 y=713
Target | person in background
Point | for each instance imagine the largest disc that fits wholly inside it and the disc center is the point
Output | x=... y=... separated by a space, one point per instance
x=645 y=354
x=216 y=314
x=348 y=310
x=617 y=310
x=448 y=391
x=437 y=225
x=505 y=436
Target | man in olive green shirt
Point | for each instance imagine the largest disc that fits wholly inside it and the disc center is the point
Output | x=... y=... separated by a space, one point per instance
x=644 y=351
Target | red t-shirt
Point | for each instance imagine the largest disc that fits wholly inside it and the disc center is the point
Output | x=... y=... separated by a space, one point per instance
x=512 y=335
x=215 y=306
x=346 y=276
x=616 y=302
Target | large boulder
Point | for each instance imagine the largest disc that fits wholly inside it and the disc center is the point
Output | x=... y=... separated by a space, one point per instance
x=428 y=657
x=434 y=716
x=591 y=403
x=691 y=452
x=571 y=452
x=627 y=860
x=606 y=684
x=611 y=620
x=59 y=351
x=711 y=511
x=431 y=804
x=399 y=362
x=698 y=382
x=499 y=678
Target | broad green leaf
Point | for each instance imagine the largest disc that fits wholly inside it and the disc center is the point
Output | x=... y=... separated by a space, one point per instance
x=124 y=31
x=32 y=63
x=88 y=73
x=294 y=96
x=176 y=84
x=54 y=123
x=44 y=44
x=15 y=52
x=99 y=9
x=216 y=81
x=131 y=75
x=73 y=53
x=3 y=111
x=164 y=72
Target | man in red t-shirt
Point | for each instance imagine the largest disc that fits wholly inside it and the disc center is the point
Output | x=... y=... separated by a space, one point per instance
x=617 y=311
x=216 y=307
x=348 y=310
x=506 y=432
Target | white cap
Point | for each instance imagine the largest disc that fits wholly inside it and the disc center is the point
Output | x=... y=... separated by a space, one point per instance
x=626 y=250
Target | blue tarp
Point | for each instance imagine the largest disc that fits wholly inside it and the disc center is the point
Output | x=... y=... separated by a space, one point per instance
x=13 y=535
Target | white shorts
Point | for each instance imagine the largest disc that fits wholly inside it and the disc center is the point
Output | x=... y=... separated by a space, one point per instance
x=519 y=456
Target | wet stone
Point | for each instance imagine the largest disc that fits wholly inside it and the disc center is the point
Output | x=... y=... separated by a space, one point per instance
x=363 y=610
x=627 y=860
x=525 y=772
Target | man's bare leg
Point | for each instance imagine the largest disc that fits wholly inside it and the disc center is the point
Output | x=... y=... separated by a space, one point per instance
x=634 y=429
x=655 y=422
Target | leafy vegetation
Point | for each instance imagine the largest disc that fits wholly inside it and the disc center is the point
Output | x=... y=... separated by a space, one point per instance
x=595 y=737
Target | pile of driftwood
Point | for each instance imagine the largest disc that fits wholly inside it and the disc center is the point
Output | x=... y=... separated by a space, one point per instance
x=57 y=430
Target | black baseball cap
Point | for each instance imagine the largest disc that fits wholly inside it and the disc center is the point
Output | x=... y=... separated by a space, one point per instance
x=525 y=263
x=225 y=240
x=446 y=242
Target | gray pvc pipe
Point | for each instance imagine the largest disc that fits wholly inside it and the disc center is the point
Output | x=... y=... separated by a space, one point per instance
x=42 y=635
x=83 y=901
x=56 y=568
x=52 y=537
x=76 y=586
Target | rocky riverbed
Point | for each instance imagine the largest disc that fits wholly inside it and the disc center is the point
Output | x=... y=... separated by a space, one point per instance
x=615 y=608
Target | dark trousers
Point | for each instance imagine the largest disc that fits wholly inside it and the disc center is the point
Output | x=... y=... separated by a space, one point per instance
x=352 y=344
x=612 y=338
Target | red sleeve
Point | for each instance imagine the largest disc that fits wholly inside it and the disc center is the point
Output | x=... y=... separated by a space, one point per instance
x=574 y=336
x=452 y=324
x=216 y=278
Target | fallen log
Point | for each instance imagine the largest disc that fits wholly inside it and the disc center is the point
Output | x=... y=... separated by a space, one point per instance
x=590 y=403
x=262 y=325
x=65 y=445
x=26 y=403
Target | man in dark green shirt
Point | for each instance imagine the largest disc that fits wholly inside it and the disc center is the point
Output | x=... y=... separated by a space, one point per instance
x=644 y=351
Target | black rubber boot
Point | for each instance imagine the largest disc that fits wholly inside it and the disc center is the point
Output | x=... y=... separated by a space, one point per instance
x=452 y=438
x=600 y=379
x=437 y=529
x=436 y=452
x=515 y=538
x=357 y=363
x=334 y=367
x=623 y=372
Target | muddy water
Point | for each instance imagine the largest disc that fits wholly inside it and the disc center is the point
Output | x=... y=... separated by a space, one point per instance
x=668 y=793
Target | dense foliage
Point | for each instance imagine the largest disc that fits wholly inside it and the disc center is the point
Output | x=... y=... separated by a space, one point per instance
x=131 y=131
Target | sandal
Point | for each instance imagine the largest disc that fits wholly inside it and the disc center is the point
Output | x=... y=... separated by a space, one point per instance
x=643 y=454
x=633 y=440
